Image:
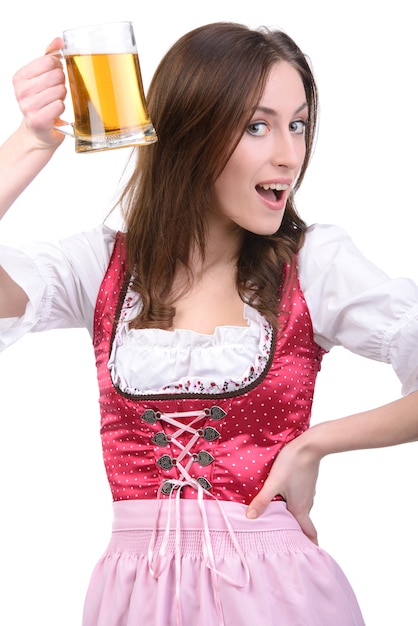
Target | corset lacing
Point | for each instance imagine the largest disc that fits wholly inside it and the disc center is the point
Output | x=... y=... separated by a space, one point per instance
x=172 y=488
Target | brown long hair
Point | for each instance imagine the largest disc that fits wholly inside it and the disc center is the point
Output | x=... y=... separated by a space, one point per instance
x=201 y=99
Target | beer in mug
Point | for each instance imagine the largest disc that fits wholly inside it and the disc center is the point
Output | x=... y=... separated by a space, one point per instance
x=104 y=75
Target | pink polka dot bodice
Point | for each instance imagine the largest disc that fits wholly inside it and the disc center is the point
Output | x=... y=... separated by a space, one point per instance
x=226 y=442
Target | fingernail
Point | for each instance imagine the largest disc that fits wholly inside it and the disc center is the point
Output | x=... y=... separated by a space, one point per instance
x=252 y=514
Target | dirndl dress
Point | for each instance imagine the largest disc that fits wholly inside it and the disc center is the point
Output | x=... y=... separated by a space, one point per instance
x=183 y=464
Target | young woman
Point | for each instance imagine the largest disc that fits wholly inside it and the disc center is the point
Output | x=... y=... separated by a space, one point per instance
x=210 y=315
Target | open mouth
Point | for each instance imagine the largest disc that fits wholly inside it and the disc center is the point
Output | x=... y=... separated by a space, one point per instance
x=272 y=191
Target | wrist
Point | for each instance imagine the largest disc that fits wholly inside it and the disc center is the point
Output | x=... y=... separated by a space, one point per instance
x=311 y=444
x=46 y=140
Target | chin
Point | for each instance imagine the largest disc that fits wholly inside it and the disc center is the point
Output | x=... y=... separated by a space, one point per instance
x=265 y=231
x=262 y=233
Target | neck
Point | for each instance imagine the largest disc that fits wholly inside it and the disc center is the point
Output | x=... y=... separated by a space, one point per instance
x=223 y=244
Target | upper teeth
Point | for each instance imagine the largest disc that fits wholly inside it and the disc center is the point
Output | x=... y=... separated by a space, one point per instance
x=276 y=186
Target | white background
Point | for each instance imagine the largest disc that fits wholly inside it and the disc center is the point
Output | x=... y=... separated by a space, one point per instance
x=55 y=502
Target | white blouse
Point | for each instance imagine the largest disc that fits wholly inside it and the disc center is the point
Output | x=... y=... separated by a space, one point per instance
x=352 y=304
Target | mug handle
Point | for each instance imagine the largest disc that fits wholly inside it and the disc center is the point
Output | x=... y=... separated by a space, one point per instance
x=66 y=128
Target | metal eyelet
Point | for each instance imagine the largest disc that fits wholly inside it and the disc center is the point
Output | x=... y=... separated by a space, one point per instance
x=166 y=462
x=150 y=416
x=160 y=439
x=203 y=482
x=203 y=458
x=209 y=433
x=215 y=413
x=167 y=487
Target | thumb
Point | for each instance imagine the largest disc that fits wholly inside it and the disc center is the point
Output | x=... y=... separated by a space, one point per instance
x=261 y=501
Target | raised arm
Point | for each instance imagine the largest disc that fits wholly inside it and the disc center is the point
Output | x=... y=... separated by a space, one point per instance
x=40 y=91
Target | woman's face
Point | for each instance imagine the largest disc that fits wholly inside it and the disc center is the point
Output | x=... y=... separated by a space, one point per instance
x=253 y=188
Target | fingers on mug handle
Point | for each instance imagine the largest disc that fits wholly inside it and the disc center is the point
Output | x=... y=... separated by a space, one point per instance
x=55 y=48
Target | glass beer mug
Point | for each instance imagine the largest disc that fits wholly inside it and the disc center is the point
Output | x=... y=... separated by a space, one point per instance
x=107 y=94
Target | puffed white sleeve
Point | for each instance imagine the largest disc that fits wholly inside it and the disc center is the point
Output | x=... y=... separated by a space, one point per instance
x=61 y=280
x=355 y=305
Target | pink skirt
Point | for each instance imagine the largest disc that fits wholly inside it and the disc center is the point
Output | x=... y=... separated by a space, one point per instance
x=164 y=567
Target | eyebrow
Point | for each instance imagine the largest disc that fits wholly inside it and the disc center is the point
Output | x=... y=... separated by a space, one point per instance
x=273 y=112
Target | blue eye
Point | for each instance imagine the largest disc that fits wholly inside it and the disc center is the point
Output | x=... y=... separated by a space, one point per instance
x=257 y=128
x=298 y=127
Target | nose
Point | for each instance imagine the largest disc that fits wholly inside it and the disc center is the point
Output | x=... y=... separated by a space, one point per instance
x=289 y=150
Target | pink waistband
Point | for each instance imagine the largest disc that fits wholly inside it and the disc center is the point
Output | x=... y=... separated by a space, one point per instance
x=163 y=516
x=147 y=514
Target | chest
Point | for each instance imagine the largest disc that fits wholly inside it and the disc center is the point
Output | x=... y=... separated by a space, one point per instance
x=211 y=301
